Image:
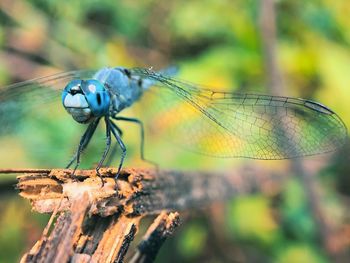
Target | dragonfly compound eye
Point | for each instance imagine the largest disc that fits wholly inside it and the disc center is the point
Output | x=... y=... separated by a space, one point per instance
x=97 y=97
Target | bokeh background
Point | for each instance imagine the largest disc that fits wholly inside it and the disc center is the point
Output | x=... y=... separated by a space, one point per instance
x=287 y=217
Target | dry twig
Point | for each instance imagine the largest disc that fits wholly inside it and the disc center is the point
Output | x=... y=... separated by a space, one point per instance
x=96 y=224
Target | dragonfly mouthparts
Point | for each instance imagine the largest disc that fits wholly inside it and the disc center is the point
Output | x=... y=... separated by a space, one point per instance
x=76 y=105
x=75 y=100
x=81 y=115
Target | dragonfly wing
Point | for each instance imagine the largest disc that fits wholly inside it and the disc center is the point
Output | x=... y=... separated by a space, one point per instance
x=235 y=125
x=20 y=99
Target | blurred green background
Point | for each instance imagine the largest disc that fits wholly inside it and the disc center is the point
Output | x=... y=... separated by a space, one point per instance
x=216 y=43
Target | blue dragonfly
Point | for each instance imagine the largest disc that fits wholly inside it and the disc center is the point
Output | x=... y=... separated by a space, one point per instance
x=220 y=124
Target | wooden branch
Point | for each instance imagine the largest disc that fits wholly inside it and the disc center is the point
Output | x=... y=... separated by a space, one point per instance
x=162 y=227
x=97 y=223
x=58 y=247
x=139 y=192
x=78 y=238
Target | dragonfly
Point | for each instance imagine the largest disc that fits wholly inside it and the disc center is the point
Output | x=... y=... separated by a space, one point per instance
x=214 y=123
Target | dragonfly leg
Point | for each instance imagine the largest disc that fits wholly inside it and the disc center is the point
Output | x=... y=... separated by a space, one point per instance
x=105 y=152
x=115 y=146
x=142 y=145
x=122 y=147
x=84 y=141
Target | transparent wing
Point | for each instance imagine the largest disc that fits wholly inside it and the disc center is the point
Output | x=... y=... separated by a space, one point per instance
x=240 y=125
x=22 y=98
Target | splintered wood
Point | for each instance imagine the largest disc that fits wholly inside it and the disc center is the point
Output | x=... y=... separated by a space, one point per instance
x=139 y=192
x=96 y=223
x=162 y=227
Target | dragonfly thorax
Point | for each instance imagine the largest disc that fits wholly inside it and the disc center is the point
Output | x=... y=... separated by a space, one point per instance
x=86 y=100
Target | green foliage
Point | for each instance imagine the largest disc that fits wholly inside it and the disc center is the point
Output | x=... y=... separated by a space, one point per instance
x=192 y=240
x=18 y=228
x=296 y=212
x=300 y=253
x=250 y=218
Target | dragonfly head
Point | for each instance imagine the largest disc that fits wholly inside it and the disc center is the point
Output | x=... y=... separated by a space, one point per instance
x=86 y=100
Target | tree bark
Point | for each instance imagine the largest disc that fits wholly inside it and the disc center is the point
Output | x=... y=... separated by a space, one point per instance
x=97 y=223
